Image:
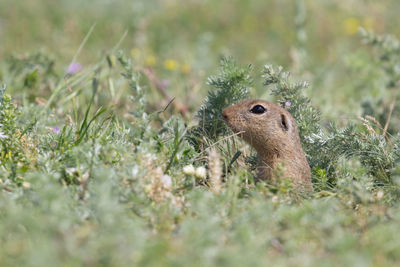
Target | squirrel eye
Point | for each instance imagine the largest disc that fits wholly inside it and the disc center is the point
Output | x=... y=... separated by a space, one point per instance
x=258 y=109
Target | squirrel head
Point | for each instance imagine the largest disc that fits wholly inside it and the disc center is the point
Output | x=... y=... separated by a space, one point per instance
x=263 y=125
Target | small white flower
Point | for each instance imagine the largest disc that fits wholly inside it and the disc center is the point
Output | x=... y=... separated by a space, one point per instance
x=201 y=172
x=166 y=181
x=189 y=170
x=3 y=136
x=26 y=185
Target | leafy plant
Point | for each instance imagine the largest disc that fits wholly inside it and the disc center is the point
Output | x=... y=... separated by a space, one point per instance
x=232 y=85
x=15 y=148
x=324 y=147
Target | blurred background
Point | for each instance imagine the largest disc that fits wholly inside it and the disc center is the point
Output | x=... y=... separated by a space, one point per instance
x=182 y=41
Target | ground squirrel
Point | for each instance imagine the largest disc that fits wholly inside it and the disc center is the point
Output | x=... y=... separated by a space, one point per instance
x=272 y=131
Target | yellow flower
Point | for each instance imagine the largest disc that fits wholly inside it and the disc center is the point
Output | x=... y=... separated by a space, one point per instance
x=185 y=68
x=368 y=23
x=350 y=26
x=150 y=61
x=171 y=64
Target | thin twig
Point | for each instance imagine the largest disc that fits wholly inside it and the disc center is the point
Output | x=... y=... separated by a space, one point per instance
x=83 y=43
x=389 y=117
x=169 y=103
x=149 y=73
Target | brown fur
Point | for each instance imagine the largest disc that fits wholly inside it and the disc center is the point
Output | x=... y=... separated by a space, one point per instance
x=275 y=137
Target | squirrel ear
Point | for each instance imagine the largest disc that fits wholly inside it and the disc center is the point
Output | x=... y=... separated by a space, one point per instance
x=284 y=123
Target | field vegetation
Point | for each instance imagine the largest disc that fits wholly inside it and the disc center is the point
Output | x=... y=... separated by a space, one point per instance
x=113 y=151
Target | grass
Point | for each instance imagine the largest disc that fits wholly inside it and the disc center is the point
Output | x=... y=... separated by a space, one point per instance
x=107 y=165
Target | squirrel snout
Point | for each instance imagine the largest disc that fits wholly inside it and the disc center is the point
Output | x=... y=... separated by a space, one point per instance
x=224 y=114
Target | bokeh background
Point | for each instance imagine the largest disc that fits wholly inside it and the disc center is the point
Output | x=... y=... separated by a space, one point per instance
x=183 y=40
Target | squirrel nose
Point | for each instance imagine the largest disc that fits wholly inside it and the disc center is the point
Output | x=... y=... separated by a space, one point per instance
x=224 y=115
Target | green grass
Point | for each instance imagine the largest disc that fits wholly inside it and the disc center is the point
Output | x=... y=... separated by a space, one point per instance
x=118 y=163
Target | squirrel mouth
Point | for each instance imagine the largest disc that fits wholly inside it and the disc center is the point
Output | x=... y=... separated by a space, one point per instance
x=227 y=120
x=234 y=129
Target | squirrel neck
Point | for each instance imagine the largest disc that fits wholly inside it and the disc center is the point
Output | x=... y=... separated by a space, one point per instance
x=285 y=152
x=270 y=159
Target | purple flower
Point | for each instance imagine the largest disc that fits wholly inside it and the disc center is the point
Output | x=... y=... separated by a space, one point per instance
x=74 y=68
x=288 y=103
x=56 y=130
x=165 y=83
